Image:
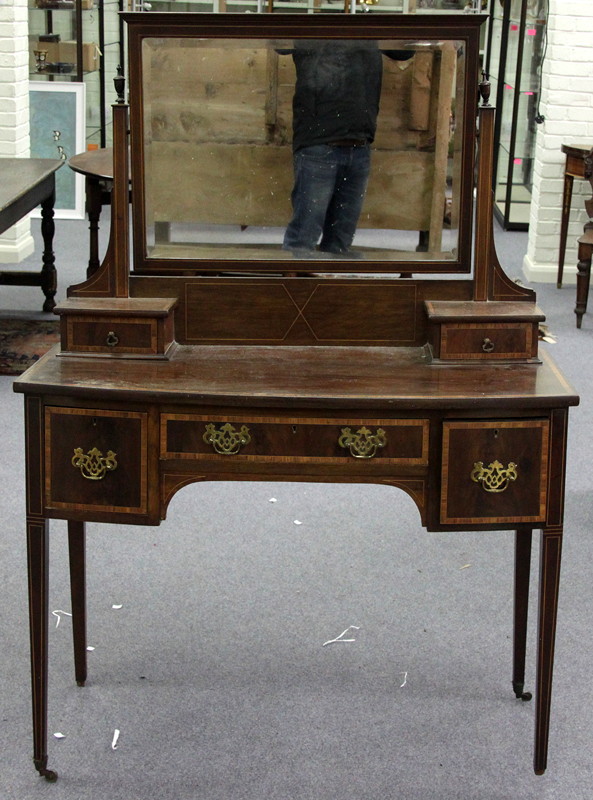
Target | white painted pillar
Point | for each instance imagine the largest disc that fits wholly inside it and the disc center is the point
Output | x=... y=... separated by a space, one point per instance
x=567 y=105
x=16 y=243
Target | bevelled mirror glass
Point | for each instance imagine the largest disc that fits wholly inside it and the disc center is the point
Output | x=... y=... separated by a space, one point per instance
x=236 y=135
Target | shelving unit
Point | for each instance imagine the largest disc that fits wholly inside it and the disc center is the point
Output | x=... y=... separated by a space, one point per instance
x=515 y=52
x=80 y=41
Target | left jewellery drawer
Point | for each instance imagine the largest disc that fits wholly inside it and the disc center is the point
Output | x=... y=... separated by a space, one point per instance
x=117 y=328
x=96 y=459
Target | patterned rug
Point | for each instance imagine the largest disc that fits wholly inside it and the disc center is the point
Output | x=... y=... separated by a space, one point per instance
x=23 y=341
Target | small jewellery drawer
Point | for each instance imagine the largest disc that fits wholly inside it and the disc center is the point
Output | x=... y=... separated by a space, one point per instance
x=494 y=471
x=114 y=335
x=95 y=459
x=497 y=340
x=294 y=440
x=124 y=327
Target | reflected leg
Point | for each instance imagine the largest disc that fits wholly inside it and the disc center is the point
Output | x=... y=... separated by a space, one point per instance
x=346 y=204
x=76 y=550
x=315 y=171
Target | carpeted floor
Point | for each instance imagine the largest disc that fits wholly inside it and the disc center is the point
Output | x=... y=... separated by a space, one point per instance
x=208 y=634
x=23 y=341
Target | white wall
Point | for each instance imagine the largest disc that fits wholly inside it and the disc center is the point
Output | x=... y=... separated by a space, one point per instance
x=567 y=105
x=16 y=243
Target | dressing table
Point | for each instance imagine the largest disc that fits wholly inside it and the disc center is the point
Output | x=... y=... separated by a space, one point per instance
x=213 y=354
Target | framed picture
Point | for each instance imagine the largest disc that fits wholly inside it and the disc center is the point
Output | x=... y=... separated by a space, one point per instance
x=57 y=130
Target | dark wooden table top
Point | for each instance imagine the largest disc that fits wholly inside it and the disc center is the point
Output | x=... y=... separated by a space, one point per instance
x=379 y=378
x=19 y=176
x=94 y=163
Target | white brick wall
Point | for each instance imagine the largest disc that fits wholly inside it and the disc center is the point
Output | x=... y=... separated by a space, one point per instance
x=567 y=105
x=16 y=243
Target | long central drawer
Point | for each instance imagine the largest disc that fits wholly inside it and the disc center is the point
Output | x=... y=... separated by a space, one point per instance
x=191 y=436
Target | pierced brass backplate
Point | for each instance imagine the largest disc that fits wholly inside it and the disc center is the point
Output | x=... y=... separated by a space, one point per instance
x=94 y=465
x=226 y=441
x=364 y=443
x=494 y=477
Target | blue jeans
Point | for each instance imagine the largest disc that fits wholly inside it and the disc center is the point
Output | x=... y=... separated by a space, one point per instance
x=329 y=188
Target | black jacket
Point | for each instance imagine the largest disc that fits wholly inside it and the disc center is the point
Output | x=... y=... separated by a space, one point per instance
x=337 y=90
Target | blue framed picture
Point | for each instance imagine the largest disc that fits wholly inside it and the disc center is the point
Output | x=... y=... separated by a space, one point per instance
x=57 y=130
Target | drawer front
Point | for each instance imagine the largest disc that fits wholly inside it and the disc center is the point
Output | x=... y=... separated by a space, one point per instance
x=111 y=335
x=95 y=460
x=403 y=442
x=494 y=471
x=488 y=341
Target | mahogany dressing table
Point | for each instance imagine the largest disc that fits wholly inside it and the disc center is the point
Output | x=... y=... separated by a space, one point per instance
x=216 y=357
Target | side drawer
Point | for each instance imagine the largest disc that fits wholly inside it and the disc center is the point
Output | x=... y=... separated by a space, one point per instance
x=189 y=436
x=492 y=340
x=96 y=460
x=88 y=334
x=494 y=471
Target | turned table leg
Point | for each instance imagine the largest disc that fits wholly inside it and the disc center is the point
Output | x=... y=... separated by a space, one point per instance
x=584 y=272
x=49 y=282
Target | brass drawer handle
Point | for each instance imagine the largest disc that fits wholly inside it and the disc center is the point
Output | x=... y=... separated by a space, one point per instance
x=363 y=443
x=494 y=477
x=487 y=345
x=112 y=339
x=226 y=441
x=94 y=465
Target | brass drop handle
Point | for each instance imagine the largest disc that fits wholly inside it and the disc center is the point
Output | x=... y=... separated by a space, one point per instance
x=364 y=443
x=226 y=440
x=487 y=345
x=93 y=465
x=112 y=339
x=494 y=477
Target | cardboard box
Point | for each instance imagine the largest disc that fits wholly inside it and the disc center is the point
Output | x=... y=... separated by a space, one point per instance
x=90 y=54
x=66 y=52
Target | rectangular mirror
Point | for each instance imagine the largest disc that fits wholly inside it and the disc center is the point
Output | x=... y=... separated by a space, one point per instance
x=335 y=141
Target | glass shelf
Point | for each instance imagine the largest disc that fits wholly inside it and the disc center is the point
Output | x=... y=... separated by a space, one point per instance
x=514 y=66
x=83 y=37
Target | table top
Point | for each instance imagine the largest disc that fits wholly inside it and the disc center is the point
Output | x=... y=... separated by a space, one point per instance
x=380 y=378
x=94 y=163
x=575 y=150
x=20 y=175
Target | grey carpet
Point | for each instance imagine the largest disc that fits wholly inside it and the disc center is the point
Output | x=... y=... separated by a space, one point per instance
x=213 y=668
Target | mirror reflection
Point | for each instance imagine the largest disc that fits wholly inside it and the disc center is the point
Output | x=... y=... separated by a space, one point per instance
x=324 y=149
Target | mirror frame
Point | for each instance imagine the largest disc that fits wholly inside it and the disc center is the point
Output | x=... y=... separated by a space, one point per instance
x=464 y=28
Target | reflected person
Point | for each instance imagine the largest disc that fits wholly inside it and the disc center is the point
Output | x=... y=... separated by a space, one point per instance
x=335 y=107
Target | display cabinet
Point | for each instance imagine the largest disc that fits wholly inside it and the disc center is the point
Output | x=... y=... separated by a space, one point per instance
x=514 y=59
x=79 y=40
x=203 y=349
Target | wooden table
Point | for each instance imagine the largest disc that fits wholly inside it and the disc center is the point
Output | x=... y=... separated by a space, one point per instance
x=573 y=168
x=433 y=387
x=97 y=168
x=26 y=183
x=117 y=444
